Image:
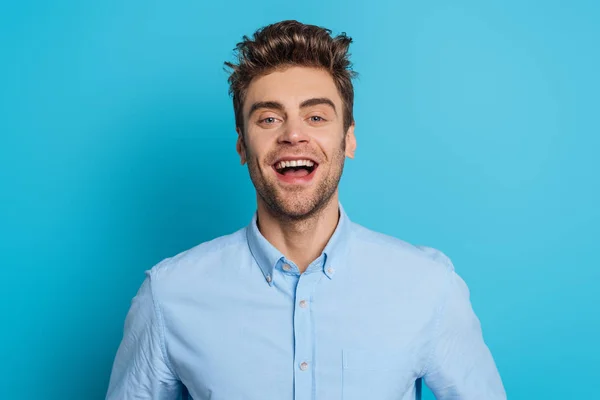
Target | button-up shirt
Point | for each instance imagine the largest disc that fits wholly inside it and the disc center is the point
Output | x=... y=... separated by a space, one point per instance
x=370 y=318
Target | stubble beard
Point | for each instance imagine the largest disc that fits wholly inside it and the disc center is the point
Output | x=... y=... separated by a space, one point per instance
x=297 y=204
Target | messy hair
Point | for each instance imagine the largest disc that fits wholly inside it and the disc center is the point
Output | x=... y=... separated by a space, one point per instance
x=286 y=44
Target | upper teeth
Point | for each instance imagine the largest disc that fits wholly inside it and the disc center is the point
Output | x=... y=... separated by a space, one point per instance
x=294 y=163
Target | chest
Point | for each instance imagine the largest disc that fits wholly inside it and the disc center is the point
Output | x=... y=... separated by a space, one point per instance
x=304 y=339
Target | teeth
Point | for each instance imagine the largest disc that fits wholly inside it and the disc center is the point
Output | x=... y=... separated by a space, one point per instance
x=294 y=163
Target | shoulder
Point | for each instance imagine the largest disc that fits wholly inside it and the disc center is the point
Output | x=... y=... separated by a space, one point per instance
x=401 y=254
x=202 y=259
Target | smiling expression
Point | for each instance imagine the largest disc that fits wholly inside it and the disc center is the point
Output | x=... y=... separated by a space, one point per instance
x=294 y=140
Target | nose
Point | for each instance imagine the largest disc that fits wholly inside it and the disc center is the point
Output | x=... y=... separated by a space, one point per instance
x=293 y=133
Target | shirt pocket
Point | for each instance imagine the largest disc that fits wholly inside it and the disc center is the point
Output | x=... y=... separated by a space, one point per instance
x=377 y=375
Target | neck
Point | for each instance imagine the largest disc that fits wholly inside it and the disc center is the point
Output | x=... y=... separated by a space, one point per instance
x=301 y=241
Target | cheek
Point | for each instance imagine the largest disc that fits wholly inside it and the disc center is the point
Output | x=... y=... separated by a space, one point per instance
x=253 y=151
x=332 y=147
x=258 y=144
x=258 y=157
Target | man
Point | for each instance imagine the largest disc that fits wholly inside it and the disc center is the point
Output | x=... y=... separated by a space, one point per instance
x=302 y=303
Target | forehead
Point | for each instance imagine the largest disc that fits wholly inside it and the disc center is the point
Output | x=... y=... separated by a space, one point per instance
x=292 y=86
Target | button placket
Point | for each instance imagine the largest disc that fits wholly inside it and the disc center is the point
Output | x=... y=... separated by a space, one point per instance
x=304 y=339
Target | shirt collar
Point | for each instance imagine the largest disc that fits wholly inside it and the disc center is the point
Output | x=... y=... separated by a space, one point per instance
x=267 y=256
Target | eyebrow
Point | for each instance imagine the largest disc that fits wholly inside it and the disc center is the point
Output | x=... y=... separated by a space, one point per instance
x=275 y=105
x=317 y=101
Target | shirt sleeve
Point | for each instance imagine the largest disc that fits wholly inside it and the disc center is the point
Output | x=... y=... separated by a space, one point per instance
x=140 y=369
x=461 y=365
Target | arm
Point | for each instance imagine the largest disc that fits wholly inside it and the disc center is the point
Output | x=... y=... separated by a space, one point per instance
x=141 y=369
x=461 y=365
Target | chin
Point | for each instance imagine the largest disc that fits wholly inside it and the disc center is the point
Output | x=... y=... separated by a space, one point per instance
x=297 y=207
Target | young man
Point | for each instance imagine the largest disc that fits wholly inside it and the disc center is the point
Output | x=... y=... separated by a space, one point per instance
x=302 y=303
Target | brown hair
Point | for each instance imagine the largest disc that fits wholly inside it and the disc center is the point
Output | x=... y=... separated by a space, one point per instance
x=291 y=43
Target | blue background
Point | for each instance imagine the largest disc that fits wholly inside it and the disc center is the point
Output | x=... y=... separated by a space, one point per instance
x=477 y=127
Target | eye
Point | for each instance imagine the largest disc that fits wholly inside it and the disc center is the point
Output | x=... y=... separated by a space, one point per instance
x=268 y=120
x=316 y=118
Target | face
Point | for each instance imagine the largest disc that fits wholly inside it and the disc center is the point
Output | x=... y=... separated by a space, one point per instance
x=294 y=140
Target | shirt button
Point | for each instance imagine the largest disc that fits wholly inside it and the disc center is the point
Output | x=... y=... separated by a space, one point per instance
x=303 y=303
x=330 y=270
x=286 y=267
x=304 y=366
x=269 y=279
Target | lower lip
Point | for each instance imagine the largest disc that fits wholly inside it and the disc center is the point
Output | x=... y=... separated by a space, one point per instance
x=296 y=180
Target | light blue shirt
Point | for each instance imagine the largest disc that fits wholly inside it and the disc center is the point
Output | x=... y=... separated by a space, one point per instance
x=234 y=319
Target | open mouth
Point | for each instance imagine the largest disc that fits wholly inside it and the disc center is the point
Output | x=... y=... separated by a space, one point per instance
x=295 y=169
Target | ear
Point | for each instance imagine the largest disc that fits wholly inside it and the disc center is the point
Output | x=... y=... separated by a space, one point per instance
x=350 y=142
x=241 y=146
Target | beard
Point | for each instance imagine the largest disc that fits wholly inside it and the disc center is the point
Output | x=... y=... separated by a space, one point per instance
x=298 y=203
